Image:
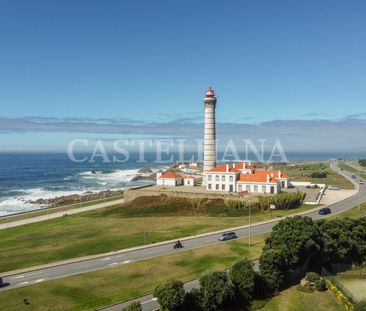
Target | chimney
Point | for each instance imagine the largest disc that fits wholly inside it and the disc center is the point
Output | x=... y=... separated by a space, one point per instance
x=272 y=175
x=279 y=174
x=267 y=178
x=227 y=167
x=244 y=165
x=234 y=165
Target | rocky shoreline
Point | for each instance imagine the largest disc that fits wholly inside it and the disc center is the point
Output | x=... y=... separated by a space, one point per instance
x=76 y=198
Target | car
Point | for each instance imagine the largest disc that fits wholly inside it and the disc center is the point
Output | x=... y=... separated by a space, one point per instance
x=3 y=284
x=333 y=188
x=324 y=211
x=353 y=176
x=360 y=182
x=227 y=236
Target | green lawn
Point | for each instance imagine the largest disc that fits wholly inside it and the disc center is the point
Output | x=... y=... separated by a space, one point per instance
x=110 y=229
x=302 y=172
x=354 y=212
x=96 y=289
x=293 y=300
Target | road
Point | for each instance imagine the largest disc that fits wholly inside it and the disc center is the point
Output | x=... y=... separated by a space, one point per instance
x=58 y=214
x=112 y=260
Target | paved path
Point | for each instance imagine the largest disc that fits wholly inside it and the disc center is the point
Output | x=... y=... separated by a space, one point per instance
x=77 y=265
x=54 y=215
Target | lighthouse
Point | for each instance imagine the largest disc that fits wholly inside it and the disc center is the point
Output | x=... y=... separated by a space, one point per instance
x=209 y=150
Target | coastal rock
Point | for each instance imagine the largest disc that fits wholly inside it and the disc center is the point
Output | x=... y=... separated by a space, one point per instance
x=145 y=170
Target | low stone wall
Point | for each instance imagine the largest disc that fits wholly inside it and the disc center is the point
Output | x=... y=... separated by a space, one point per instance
x=132 y=194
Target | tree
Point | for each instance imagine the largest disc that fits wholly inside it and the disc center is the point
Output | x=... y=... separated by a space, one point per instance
x=297 y=238
x=134 y=306
x=273 y=269
x=216 y=290
x=170 y=295
x=242 y=277
x=360 y=306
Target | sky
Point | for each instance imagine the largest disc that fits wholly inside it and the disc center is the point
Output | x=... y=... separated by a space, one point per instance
x=288 y=70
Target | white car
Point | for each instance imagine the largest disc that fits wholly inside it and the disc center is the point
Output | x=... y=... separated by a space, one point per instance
x=333 y=188
x=360 y=182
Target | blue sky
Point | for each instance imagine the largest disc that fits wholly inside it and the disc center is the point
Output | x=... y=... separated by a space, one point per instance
x=77 y=63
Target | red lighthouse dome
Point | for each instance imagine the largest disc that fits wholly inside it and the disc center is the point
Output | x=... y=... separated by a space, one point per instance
x=210 y=93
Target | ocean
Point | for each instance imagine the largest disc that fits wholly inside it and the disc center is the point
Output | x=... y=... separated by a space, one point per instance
x=31 y=176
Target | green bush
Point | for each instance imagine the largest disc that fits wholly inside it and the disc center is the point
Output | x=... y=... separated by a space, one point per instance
x=283 y=201
x=319 y=174
x=134 y=306
x=320 y=285
x=234 y=203
x=362 y=162
x=312 y=277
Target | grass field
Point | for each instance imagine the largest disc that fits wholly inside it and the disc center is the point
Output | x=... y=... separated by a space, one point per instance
x=356 y=286
x=302 y=172
x=96 y=289
x=111 y=229
x=354 y=212
x=293 y=300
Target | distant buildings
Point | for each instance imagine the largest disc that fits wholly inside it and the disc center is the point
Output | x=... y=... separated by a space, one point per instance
x=172 y=179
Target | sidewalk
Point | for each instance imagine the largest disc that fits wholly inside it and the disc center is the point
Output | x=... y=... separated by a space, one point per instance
x=58 y=214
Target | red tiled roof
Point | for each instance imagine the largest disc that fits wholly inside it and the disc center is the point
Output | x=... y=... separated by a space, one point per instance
x=236 y=167
x=261 y=176
x=170 y=175
x=189 y=177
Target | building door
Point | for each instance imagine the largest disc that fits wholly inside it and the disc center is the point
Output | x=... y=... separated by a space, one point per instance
x=272 y=189
x=231 y=188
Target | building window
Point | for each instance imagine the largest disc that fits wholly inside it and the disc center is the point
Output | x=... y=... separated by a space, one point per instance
x=188 y=182
x=264 y=189
x=209 y=186
x=223 y=187
x=217 y=178
x=209 y=177
x=231 y=178
x=223 y=178
x=248 y=188
x=217 y=187
x=240 y=188
x=255 y=188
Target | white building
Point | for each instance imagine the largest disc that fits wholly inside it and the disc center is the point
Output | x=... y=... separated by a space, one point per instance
x=241 y=177
x=169 y=179
x=189 y=181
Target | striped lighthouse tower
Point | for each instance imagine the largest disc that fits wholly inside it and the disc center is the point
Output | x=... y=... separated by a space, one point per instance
x=209 y=151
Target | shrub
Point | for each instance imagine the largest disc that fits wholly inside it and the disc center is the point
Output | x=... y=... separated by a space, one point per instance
x=319 y=174
x=312 y=277
x=283 y=201
x=170 y=295
x=216 y=290
x=134 y=306
x=362 y=162
x=234 y=203
x=320 y=285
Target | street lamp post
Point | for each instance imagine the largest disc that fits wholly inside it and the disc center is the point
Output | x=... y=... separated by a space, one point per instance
x=250 y=227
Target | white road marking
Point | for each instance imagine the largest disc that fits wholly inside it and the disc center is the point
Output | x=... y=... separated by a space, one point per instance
x=39 y=280
x=113 y=263
x=148 y=301
x=23 y=283
x=17 y=277
x=127 y=261
x=108 y=258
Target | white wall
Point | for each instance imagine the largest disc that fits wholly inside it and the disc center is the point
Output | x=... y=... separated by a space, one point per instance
x=169 y=182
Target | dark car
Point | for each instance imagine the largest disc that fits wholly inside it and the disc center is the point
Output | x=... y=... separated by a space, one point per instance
x=324 y=211
x=3 y=284
x=353 y=176
x=227 y=236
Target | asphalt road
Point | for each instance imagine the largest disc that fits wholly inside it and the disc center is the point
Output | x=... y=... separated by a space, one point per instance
x=103 y=262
